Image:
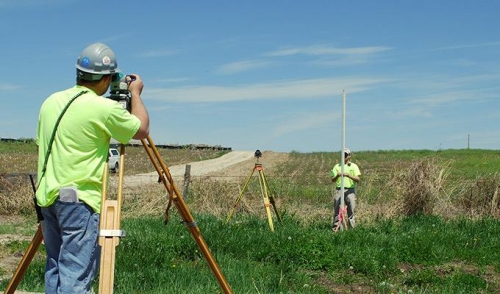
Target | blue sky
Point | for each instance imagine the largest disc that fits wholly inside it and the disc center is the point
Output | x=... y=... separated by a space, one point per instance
x=269 y=75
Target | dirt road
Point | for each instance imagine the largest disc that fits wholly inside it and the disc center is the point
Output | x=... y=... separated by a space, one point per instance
x=234 y=164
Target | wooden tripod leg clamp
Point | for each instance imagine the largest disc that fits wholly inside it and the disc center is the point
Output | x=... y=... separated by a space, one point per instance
x=109 y=237
x=112 y=233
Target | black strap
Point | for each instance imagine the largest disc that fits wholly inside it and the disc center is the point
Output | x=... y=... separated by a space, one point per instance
x=54 y=133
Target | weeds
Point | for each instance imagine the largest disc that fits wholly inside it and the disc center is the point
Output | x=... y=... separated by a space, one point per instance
x=393 y=183
x=480 y=197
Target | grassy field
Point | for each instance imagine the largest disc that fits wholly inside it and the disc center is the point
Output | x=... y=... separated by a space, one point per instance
x=427 y=223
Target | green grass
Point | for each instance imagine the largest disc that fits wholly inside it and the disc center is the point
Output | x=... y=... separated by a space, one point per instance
x=421 y=253
x=384 y=254
x=28 y=146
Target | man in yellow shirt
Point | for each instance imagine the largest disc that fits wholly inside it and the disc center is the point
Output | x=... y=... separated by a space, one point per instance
x=351 y=178
x=74 y=130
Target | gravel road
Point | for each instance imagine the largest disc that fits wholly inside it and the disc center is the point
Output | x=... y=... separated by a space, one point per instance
x=199 y=168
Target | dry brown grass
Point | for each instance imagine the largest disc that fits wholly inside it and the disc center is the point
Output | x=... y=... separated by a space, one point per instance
x=480 y=197
x=419 y=188
x=404 y=188
x=16 y=194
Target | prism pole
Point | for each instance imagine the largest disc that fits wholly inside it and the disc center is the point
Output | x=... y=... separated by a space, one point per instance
x=342 y=210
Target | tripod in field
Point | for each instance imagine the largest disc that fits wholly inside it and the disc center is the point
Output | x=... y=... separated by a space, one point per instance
x=110 y=232
x=266 y=193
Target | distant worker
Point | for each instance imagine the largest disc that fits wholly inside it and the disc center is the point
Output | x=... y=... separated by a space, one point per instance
x=351 y=178
x=74 y=130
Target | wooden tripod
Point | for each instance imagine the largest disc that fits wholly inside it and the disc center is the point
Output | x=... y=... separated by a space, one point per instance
x=266 y=195
x=176 y=197
x=110 y=221
x=110 y=226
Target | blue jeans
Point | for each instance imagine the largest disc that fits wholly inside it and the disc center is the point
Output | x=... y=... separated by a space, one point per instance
x=70 y=234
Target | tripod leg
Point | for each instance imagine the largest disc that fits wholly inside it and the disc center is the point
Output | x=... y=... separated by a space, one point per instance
x=239 y=196
x=187 y=218
x=25 y=261
x=265 y=196
x=109 y=235
x=32 y=248
x=271 y=198
x=108 y=246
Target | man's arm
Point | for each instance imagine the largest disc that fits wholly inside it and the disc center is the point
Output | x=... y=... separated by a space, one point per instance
x=355 y=176
x=137 y=107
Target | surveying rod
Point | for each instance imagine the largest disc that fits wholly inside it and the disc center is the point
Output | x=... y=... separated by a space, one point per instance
x=166 y=178
x=342 y=163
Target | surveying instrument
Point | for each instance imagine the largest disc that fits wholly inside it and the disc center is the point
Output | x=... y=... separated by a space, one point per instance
x=264 y=188
x=110 y=232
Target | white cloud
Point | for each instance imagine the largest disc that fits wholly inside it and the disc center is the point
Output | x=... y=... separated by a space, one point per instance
x=333 y=56
x=342 y=60
x=159 y=108
x=411 y=112
x=8 y=87
x=325 y=50
x=241 y=66
x=465 y=46
x=305 y=122
x=453 y=96
x=296 y=89
x=120 y=36
x=159 y=53
x=171 y=80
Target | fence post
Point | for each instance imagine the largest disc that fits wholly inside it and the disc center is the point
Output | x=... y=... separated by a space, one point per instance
x=187 y=179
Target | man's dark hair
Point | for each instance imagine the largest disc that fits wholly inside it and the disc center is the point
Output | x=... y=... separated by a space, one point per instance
x=87 y=78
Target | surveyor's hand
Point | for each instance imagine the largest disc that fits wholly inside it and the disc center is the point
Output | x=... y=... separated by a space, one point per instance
x=135 y=84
